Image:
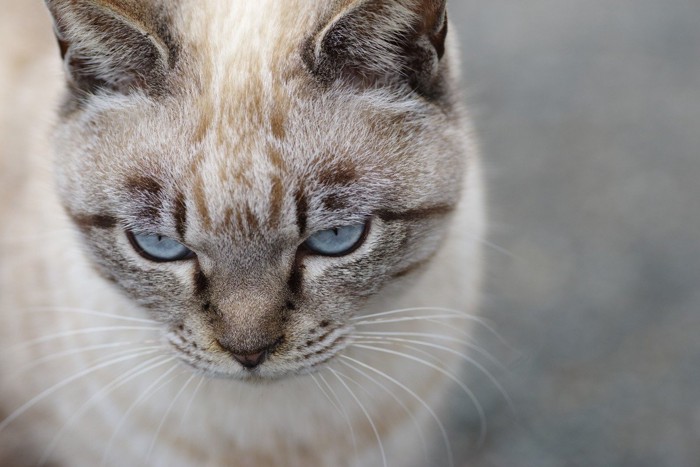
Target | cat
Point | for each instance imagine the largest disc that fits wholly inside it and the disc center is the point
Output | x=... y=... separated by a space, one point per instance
x=234 y=232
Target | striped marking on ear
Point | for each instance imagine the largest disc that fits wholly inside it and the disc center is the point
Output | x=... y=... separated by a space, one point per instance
x=415 y=214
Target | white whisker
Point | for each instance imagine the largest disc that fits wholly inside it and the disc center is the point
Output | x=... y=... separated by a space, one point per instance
x=398 y=401
x=129 y=375
x=420 y=400
x=340 y=377
x=407 y=310
x=498 y=249
x=76 y=332
x=345 y=413
x=406 y=319
x=66 y=353
x=149 y=391
x=126 y=352
x=467 y=391
x=188 y=407
x=165 y=415
x=323 y=391
x=441 y=337
x=47 y=392
x=430 y=356
x=464 y=357
x=436 y=309
x=449 y=313
x=469 y=334
x=452 y=328
x=90 y=313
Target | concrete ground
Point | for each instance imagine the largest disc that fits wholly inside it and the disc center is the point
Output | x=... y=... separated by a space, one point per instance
x=589 y=115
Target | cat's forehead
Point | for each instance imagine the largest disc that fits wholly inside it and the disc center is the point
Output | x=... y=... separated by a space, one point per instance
x=242 y=72
x=272 y=158
x=246 y=140
x=248 y=177
x=233 y=39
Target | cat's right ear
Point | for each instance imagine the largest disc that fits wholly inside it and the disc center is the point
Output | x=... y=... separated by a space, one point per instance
x=116 y=46
x=375 y=43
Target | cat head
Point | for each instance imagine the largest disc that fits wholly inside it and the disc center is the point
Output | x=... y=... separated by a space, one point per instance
x=252 y=172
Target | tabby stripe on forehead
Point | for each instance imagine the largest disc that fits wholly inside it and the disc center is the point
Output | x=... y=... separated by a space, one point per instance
x=251 y=220
x=276 y=202
x=415 y=214
x=201 y=202
x=343 y=173
x=147 y=191
x=144 y=184
x=302 y=206
x=180 y=214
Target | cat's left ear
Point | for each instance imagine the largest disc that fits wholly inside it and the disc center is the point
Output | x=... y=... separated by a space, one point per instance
x=372 y=43
x=112 y=45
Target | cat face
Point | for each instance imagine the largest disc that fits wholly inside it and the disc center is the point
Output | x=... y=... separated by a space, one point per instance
x=252 y=196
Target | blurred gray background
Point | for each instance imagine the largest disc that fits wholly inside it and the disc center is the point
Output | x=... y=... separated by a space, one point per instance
x=589 y=117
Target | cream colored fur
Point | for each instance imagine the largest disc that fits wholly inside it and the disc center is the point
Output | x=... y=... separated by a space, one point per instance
x=47 y=277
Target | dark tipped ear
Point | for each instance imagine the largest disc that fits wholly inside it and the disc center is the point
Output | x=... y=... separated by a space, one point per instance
x=381 y=42
x=112 y=45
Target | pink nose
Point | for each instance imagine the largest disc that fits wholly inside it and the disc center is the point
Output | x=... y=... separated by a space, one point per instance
x=252 y=360
x=245 y=357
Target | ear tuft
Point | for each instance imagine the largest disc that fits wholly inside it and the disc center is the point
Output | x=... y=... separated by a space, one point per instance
x=112 y=45
x=375 y=43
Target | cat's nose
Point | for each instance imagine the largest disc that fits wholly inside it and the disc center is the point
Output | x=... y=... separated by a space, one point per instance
x=252 y=360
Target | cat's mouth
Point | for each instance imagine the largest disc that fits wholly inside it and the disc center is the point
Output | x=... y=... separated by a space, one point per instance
x=284 y=359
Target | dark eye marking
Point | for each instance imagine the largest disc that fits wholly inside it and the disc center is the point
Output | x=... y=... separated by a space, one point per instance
x=296 y=275
x=93 y=221
x=201 y=283
x=415 y=214
x=412 y=268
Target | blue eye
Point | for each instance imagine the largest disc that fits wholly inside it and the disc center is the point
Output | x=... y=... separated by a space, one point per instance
x=158 y=247
x=339 y=241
